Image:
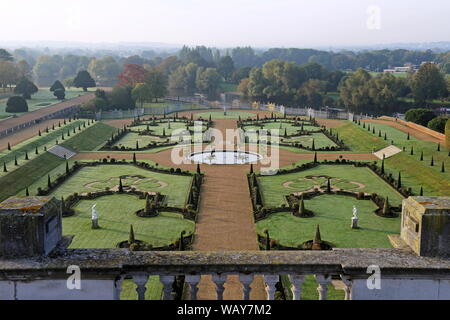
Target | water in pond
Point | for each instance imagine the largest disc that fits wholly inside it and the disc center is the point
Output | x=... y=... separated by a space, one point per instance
x=224 y=157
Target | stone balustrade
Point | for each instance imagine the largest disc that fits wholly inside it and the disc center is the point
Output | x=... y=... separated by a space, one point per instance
x=103 y=271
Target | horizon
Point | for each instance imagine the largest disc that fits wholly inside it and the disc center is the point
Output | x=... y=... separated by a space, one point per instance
x=371 y=23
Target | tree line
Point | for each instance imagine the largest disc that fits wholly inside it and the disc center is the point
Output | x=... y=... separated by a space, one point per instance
x=290 y=84
x=292 y=77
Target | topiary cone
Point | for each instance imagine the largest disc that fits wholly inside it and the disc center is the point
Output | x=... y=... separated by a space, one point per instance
x=267 y=240
x=386 y=207
x=131 y=238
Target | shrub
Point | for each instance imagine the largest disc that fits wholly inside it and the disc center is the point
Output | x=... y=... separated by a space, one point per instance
x=60 y=94
x=26 y=88
x=420 y=116
x=16 y=104
x=438 y=124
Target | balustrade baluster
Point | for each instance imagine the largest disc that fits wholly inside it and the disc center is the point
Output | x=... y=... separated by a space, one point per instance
x=296 y=287
x=219 y=280
x=323 y=281
x=271 y=280
x=140 y=279
x=167 y=282
x=246 y=280
x=193 y=281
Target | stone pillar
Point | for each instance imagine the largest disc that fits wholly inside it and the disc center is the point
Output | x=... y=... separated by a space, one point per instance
x=193 y=281
x=167 y=282
x=323 y=281
x=246 y=280
x=140 y=279
x=271 y=280
x=296 y=287
x=219 y=280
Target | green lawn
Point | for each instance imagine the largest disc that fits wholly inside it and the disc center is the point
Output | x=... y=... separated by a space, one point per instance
x=229 y=115
x=130 y=139
x=25 y=175
x=29 y=146
x=415 y=173
x=274 y=191
x=91 y=139
x=283 y=127
x=116 y=214
x=90 y=179
x=43 y=98
x=169 y=128
x=320 y=140
x=333 y=213
x=359 y=139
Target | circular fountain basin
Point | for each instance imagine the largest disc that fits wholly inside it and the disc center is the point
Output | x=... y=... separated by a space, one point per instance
x=224 y=157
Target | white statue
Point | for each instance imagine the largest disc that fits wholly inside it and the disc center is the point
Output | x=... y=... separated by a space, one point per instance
x=94 y=212
x=355 y=218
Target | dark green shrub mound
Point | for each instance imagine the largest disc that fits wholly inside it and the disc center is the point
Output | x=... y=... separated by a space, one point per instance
x=26 y=88
x=60 y=94
x=16 y=104
x=57 y=85
x=438 y=124
x=420 y=116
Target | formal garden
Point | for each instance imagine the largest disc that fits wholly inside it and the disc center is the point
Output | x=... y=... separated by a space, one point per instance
x=292 y=133
x=145 y=205
x=151 y=133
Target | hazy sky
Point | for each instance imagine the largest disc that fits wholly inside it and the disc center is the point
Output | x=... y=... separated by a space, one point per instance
x=222 y=23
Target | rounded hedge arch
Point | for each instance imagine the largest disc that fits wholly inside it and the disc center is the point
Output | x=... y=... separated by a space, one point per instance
x=16 y=104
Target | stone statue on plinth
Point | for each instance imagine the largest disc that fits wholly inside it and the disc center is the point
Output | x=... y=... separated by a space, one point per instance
x=355 y=218
x=94 y=217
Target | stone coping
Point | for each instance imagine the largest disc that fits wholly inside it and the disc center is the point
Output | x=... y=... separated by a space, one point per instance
x=97 y=263
x=25 y=205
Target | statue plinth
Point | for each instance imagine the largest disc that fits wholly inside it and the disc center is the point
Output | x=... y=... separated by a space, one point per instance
x=95 y=224
x=355 y=223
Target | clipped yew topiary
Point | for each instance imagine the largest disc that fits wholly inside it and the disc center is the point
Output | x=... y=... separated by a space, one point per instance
x=16 y=104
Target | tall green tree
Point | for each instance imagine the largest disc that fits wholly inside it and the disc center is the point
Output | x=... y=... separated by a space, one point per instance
x=225 y=67
x=354 y=91
x=157 y=82
x=5 y=55
x=428 y=84
x=208 y=81
x=142 y=93
x=9 y=74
